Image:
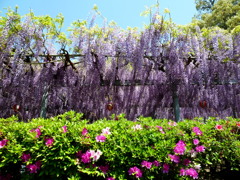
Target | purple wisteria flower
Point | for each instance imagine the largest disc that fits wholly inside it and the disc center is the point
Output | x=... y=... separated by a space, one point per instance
x=197 y=131
x=3 y=143
x=166 y=168
x=174 y=158
x=200 y=148
x=25 y=157
x=101 y=138
x=146 y=164
x=135 y=172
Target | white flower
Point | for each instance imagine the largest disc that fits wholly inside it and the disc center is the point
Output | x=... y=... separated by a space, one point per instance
x=95 y=155
x=106 y=131
x=197 y=166
x=137 y=127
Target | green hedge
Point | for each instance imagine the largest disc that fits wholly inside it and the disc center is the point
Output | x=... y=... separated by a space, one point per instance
x=68 y=147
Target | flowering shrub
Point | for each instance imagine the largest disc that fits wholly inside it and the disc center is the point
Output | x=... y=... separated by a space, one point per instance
x=63 y=147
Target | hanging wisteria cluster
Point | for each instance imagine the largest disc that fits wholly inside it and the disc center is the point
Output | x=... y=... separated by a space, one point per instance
x=107 y=70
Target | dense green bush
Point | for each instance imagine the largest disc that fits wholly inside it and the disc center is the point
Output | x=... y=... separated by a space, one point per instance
x=68 y=147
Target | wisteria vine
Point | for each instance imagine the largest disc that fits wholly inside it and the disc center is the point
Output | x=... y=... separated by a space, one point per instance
x=107 y=70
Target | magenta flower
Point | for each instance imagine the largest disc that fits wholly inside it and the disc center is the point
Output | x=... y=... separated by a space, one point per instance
x=104 y=169
x=182 y=172
x=171 y=123
x=156 y=163
x=219 y=127
x=146 y=164
x=86 y=157
x=25 y=157
x=192 y=173
x=160 y=129
x=135 y=171
x=34 y=167
x=200 y=148
x=84 y=132
x=186 y=162
x=166 y=168
x=3 y=143
x=101 y=138
x=38 y=132
x=195 y=141
x=174 y=158
x=180 y=147
x=181 y=143
x=197 y=131
x=49 y=141
x=64 y=129
x=110 y=178
x=79 y=154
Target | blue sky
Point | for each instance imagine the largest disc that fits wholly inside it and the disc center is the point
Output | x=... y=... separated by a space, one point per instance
x=124 y=12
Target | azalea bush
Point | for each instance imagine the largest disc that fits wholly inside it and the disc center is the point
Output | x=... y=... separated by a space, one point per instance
x=69 y=147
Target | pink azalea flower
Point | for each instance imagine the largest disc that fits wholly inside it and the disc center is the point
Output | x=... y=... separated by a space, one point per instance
x=49 y=141
x=135 y=171
x=110 y=178
x=3 y=143
x=186 y=162
x=64 y=129
x=180 y=147
x=95 y=155
x=38 y=132
x=192 y=173
x=160 y=129
x=104 y=169
x=85 y=158
x=34 y=167
x=166 y=168
x=25 y=157
x=197 y=131
x=195 y=141
x=238 y=124
x=219 y=127
x=101 y=138
x=137 y=127
x=156 y=163
x=174 y=158
x=182 y=172
x=84 y=132
x=146 y=164
x=200 y=148
x=79 y=154
x=171 y=123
